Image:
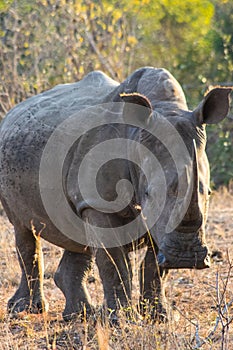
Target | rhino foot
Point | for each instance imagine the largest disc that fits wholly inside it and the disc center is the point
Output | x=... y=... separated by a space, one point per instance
x=20 y=304
x=82 y=313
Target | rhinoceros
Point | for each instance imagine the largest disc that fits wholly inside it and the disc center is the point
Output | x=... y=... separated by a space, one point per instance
x=165 y=163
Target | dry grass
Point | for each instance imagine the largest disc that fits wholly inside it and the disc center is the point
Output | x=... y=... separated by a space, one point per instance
x=199 y=319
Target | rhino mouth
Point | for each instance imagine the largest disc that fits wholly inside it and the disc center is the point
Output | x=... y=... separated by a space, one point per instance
x=179 y=260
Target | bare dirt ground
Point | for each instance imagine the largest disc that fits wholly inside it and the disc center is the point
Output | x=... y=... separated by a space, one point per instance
x=201 y=302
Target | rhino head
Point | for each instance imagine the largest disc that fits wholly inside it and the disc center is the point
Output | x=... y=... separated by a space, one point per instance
x=183 y=193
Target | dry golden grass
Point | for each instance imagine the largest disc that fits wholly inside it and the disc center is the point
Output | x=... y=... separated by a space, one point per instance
x=202 y=301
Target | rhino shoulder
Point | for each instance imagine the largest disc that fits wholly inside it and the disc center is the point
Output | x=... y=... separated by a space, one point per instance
x=97 y=78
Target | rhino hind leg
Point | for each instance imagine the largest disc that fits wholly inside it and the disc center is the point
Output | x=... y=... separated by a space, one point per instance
x=69 y=278
x=152 y=287
x=29 y=296
x=116 y=275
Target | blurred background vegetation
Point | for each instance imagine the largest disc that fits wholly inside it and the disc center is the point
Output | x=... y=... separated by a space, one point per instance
x=48 y=42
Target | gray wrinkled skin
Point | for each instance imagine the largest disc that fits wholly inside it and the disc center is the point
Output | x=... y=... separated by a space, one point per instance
x=23 y=135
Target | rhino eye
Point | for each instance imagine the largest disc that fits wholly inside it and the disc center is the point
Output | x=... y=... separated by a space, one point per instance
x=209 y=192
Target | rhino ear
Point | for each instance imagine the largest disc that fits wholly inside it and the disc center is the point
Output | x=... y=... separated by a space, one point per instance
x=137 y=108
x=215 y=106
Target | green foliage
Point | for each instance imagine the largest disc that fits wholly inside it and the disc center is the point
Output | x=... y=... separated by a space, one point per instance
x=220 y=151
x=170 y=28
x=220 y=71
x=4 y=5
x=47 y=42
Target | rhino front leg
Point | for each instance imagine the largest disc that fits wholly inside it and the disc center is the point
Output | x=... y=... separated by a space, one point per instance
x=152 y=286
x=69 y=278
x=116 y=275
x=29 y=296
x=113 y=263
